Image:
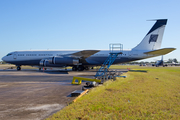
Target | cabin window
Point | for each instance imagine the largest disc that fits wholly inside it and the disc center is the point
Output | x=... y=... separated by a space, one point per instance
x=20 y=54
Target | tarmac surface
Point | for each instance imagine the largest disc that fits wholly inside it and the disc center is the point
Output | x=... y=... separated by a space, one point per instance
x=31 y=94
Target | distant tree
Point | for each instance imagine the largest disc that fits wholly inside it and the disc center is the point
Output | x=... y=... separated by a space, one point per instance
x=170 y=61
x=134 y=63
x=142 y=62
x=175 y=60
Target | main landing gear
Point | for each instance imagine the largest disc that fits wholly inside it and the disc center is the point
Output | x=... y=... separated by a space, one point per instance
x=74 y=68
x=79 y=68
x=18 y=68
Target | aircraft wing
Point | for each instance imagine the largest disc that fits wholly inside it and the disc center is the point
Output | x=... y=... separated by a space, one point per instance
x=160 y=51
x=85 y=53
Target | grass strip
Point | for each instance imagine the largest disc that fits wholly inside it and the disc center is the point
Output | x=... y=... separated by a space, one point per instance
x=146 y=93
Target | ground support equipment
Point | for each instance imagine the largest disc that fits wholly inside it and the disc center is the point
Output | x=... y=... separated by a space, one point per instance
x=103 y=73
x=78 y=80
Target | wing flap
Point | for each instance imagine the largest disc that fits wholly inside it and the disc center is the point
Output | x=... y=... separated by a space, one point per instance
x=161 y=51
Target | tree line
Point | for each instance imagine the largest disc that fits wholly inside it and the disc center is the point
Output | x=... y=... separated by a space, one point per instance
x=152 y=62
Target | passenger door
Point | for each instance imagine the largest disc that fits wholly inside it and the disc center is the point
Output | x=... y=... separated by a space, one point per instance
x=15 y=55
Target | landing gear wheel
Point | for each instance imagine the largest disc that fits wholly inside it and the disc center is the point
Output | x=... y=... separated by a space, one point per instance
x=87 y=68
x=74 y=68
x=80 y=68
x=18 y=68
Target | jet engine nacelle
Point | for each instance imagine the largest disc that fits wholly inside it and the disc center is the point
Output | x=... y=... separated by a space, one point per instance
x=63 y=60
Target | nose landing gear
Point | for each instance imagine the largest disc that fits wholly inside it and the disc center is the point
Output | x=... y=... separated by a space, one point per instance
x=18 y=68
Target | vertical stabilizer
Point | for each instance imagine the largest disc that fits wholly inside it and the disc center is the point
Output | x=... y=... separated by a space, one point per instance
x=153 y=38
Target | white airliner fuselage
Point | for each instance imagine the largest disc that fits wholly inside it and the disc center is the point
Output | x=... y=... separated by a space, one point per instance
x=82 y=59
x=34 y=57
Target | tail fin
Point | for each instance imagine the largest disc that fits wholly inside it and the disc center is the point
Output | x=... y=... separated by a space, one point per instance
x=153 y=38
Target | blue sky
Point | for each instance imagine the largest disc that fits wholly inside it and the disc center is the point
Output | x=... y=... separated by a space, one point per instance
x=85 y=24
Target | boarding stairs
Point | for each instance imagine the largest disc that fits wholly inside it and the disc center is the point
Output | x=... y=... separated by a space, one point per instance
x=115 y=50
x=103 y=73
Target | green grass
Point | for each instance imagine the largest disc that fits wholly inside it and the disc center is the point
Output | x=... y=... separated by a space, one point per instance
x=146 y=93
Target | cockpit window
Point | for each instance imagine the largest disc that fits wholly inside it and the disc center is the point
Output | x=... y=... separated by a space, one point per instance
x=9 y=54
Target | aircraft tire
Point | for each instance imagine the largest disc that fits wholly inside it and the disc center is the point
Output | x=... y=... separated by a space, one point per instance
x=18 y=68
x=74 y=68
x=87 y=68
x=80 y=68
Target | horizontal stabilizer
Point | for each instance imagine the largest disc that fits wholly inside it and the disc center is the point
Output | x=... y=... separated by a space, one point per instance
x=160 y=51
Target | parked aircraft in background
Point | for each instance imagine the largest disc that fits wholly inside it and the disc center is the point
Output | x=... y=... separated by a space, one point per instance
x=160 y=63
x=80 y=60
x=174 y=64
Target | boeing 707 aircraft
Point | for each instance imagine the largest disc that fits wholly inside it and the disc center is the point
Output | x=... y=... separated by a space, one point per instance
x=149 y=47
